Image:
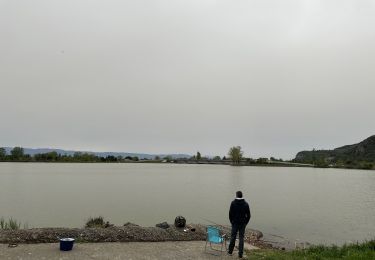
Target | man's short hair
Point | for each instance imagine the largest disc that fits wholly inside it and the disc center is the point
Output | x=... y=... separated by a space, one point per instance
x=239 y=194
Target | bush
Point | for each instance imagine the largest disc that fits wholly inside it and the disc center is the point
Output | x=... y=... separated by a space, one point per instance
x=97 y=223
x=10 y=224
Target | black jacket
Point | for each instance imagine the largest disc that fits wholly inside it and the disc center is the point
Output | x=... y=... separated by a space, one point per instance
x=239 y=212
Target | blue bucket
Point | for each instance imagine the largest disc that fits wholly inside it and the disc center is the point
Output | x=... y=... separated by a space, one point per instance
x=66 y=244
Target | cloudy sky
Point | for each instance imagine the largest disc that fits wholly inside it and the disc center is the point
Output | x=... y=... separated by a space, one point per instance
x=275 y=77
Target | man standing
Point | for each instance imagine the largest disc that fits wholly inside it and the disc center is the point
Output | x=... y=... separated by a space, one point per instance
x=239 y=216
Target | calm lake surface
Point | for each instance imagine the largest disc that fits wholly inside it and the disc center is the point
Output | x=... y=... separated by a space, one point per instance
x=315 y=205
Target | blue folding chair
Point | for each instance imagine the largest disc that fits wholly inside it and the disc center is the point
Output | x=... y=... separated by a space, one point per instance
x=214 y=236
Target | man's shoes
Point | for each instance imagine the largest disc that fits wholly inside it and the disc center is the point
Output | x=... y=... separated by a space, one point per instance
x=230 y=254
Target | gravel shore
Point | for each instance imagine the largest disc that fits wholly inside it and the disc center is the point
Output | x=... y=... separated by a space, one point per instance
x=127 y=233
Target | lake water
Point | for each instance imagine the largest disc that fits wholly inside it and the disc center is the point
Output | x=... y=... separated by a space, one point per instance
x=315 y=205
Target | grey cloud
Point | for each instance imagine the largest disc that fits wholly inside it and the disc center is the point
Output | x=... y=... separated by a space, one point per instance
x=179 y=76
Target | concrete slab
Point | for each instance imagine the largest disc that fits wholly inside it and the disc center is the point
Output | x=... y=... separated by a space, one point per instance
x=113 y=251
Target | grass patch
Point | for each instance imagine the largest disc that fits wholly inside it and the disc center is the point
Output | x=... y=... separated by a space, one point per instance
x=97 y=222
x=364 y=250
x=9 y=224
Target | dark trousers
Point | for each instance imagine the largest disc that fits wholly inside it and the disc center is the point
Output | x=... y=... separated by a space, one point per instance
x=240 y=228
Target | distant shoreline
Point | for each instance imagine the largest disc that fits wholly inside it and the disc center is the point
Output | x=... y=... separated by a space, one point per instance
x=173 y=162
x=278 y=164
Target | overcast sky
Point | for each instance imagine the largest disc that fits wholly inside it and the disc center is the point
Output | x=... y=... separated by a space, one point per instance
x=275 y=77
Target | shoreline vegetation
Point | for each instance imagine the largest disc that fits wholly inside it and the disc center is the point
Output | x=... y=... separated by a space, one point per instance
x=364 y=250
x=98 y=230
x=235 y=158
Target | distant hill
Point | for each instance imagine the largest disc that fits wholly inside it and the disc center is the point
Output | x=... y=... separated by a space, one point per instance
x=348 y=154
x=33 y=151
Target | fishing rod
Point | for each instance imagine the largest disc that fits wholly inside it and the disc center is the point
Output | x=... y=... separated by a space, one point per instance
x=276 y=236
x=224 y=227
x=227 y=227
x=216 y=224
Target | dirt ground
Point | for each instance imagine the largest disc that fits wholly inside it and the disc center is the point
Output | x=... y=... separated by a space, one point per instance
x=115 y=251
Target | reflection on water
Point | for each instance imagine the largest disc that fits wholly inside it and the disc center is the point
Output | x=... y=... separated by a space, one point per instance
x=316 y=205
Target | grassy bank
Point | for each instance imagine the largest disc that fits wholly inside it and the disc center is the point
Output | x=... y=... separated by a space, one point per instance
x=9 y=224
x=364 y=250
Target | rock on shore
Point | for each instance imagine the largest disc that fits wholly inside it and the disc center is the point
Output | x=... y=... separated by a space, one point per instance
x=127 y=233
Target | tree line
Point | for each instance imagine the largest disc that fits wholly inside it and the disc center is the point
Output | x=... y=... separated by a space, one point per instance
x=17 y=154
x=235 y=157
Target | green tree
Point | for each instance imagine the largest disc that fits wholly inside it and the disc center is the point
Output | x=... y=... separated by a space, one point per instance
x=199 y=156
x=111 y=158
x=168 y=158
x=235 y=154
x=217 y=158
x=17 y=153
x=46 y=157
x=3 y=153
x=250 y=161
x=367 y=166
x=262 y=160
x=52 y=156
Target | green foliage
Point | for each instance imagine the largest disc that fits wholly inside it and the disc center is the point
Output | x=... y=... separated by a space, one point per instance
x=17 y=153
x=199 y=156
x=109 y=158
x=321 y=163
x=85 y=157
x=46 y=157
x=97 y=222
x=356 y=156
x=262 y=160
x=2 y=153
x=364 y=250
x=168 y=158
x=129 y=158
x=9 y=224
x=217 y=158
x=235 y=154
x=2 y=223
x=368 y=166
x=250 y=161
